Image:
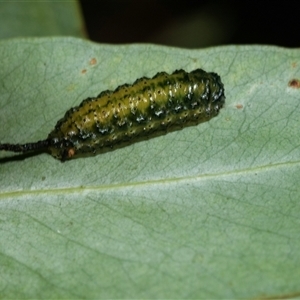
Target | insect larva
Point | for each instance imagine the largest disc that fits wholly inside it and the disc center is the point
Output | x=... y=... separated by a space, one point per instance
x=147 y=108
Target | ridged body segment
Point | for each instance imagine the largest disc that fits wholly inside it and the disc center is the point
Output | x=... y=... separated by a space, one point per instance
x=148 y=106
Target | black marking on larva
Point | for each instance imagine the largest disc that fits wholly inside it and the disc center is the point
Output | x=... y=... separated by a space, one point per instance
x=149 y=107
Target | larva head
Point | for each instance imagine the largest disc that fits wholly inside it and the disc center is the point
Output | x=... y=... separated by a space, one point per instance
x=60 y=148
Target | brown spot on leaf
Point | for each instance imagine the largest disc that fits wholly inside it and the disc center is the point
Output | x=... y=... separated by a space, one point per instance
x=93 y=61
x=239 y=106
x=294 y=83
x=83 y=71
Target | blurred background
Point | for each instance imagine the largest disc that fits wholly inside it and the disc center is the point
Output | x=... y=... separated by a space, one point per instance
x=193 y=24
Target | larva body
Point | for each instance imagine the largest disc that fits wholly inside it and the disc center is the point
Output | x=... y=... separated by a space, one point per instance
x=148 y=107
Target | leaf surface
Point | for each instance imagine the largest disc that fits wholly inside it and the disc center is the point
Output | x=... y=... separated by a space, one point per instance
x=210 y=211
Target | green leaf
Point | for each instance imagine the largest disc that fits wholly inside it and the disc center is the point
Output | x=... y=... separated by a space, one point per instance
x=40 y=18
x=211 y=211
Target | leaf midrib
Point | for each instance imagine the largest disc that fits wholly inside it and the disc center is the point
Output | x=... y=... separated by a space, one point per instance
x=131 y=184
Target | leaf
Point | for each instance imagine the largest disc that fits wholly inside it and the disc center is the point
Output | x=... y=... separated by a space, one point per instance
x=210 y=211
x=40 y=18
